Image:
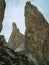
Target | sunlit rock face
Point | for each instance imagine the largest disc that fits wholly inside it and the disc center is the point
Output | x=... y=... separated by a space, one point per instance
x=36 y=34
x=2 y=10
x=16 y=40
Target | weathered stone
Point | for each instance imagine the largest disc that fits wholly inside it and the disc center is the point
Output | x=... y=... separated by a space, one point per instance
x=2 y=10
x=16 y=40
x=36 y=33
x=2 y=40
x=9 y=57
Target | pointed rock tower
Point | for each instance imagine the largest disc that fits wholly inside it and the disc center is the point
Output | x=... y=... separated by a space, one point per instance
x=16 y=39
x=36 y=34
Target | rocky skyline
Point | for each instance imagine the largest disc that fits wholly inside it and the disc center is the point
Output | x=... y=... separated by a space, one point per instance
x=18 y=8
x=35 y=40
x=16 y=40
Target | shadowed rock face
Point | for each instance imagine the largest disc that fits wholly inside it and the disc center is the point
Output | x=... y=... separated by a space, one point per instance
x=36 y=34
x=9 y=57
x=2 y=10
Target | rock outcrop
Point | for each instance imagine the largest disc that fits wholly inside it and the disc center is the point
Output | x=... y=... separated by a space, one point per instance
x=36 y=39
x=9 y=57
x=2 y=40
x=2 y=10
x=36 y=34
x=16 y=40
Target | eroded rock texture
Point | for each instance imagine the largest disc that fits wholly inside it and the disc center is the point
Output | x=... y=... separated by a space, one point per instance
x=37 y=34
x=2 y=40
x=16 y=40
x=2 y=10
x=9 y=57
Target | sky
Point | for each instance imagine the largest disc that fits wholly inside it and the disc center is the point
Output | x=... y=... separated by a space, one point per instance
x=14 y=12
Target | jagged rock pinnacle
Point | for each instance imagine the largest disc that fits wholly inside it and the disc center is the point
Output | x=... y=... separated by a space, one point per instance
x=36 y=33
x=16 y=38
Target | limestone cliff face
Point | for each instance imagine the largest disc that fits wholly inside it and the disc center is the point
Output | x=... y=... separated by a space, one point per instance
x=2 y=9
x=16 y=39
x=37 y=33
